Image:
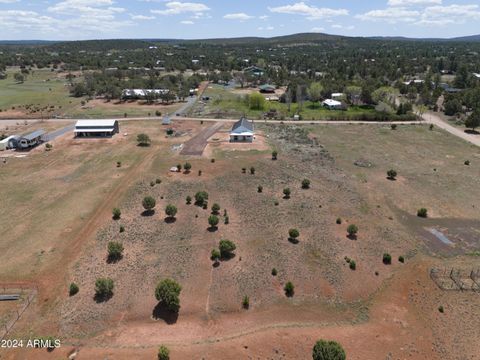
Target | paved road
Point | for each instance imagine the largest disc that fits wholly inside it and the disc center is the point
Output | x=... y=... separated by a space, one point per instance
x=197 y=144
x=53 y=135
x=434 y=119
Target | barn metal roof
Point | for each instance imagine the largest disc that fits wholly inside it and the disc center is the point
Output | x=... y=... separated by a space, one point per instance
x=96 y=130
x=242 y=126
x=33 y=135
x=94 y=123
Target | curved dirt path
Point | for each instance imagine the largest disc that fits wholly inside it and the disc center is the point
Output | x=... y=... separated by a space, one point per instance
x=437 y=121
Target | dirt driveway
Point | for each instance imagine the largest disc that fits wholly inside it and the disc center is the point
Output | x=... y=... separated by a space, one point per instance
x=197 y=144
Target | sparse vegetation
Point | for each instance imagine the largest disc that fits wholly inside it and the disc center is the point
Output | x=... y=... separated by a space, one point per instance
x=168 y=293
x=274 y=272
x=274 y=155
x=328 y=350
x=148 y=203
x=260 y=188
x=226 y=248
x=189 y=200
x=252 y=170
x=305 y=184
x=286 y=193
x=171 y=211
x=143 y=140
x=115 y=251
x=246 y=302
x=352 y=230
x=213 y=221
x=163 y=353
x=201 y=198
x=73 y=289
x=116 y=213
x=293 y=234
x=353 y=265
x=104 y=288
x=387 y=259
x=215 y=209
x=339 y=221
x=391 y=174
x=187 y=167
x=401 y=259
x=422 y=212
x=289 y=289
x=441 y=309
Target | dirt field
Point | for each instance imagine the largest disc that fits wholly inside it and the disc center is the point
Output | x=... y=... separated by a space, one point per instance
x=74 y=188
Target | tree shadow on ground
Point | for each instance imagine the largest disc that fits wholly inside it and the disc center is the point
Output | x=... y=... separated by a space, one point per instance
x=114 y=259
x=293 y=241
x=472 y=132
x=170 y=220
x=100 y=298
x=352 y=236
x=148 y=213
x=160 y=312
x=212 y=228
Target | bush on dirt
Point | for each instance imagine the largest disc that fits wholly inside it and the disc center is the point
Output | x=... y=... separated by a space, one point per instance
x=143 y=140
x=352 y=230
x=74 y=289
x=200 y=198
x=168 y=293
x=187 y=167
x=171 y=211
x=293 y=234
x=287 y=193
x=289 y=289
x=387 y=259
x=328 y=350
x=163 y=353
x=189 y=200
x=260 y=188
x=104 y=288
x=226 y=248
x=215 y=209
x=274 y=155
x=391 y=174
x=116 y=213
x=213 y=221
x=423 y=213
x=305 y=184
x=115 y=251
x=148 y=203
x=246 y=302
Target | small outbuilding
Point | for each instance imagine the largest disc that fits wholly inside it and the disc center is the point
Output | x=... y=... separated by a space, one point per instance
x=332 y=104
x=9 y=142
x=30 y=140
x=166 y=120
x=242 y=131
x=267 y=89
x=96 y=128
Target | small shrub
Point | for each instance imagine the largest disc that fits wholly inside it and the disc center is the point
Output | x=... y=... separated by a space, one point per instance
x=431 y=127
x=387 y=259
x=148 y=203
x=289 y=289
x=226 y=248
x=328 y=350
x=393 y=126
x=158 y=181
x=227 y=220
x=441 y=309
x=119 y=164
x=276 y=203
x=179 y=167
x=293 y=234
x=212 y=161
x=104 y=288
x=170 y=132
x=187 y=167
x=252 y=170
x=274 y=155
x=467 y=162
x=122 y=228
x=152 y=183
x=163 y=353
x=73 y=290
x=115 y=251
x=143 y=140
x=339 y=221
x=401 y=259
x=158 y=113
x=423 y=213
x=189 y=200
x=116 y=213
x=171 y=211
x=246 y=302
x=213 y=221
x=274 y=272
x=199 y=172
x=286 y=193
x=244 y=170
x=353 y=265
x=260 y=188
x=201 y=197
x=305 y=184
x=391 y=174
x=352 y=230
x=215 y=209
x=215 y=255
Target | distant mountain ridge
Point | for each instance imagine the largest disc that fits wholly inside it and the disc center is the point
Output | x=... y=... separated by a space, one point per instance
x=293 y=38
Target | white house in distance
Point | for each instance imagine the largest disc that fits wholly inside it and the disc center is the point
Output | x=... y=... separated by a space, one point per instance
x=338 y=96
x=242 y=131
x=332 y=104
x=96 y=128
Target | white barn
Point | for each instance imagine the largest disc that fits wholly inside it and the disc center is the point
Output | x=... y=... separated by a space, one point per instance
x=332 y=104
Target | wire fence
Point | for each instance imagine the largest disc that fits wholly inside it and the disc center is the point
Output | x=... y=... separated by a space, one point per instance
x=27 y=293
x=456 y=279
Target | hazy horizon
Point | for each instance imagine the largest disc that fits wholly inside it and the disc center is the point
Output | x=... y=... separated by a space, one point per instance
x=58 y=20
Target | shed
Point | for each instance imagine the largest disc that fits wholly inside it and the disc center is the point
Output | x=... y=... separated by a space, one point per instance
x=96 y=128
x=30 y=140
x=268 y=89
x=9 y=142
x=332 y=104
x=242 y=131
x=166 y=120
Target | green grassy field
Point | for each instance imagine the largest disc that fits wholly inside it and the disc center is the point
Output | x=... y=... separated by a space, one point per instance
x=41 y=88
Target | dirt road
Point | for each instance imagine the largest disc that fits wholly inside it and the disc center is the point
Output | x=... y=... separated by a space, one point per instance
x=437 y=121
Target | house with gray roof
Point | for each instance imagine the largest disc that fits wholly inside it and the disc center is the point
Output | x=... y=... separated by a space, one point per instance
x=242 y=131
x=31 y=140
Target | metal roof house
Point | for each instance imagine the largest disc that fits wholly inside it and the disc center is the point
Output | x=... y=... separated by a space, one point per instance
x=31 y=140
x=242 y=131
x=96 y=128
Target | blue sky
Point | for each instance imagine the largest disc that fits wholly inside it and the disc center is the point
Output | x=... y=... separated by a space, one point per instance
x=100 y=19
